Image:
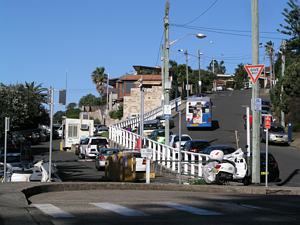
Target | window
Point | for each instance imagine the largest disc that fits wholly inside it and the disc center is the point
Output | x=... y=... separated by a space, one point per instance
x=72 y=130
x=99 y=142
x=128 y=86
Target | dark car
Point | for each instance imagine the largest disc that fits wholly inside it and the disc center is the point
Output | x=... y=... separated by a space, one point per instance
x=225 y=148
x=272 y=168
x=159 y=135
x=102 y=155
x=196 y=146
x=162 y=121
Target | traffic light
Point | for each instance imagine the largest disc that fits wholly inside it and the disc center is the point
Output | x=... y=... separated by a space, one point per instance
x=62 y=96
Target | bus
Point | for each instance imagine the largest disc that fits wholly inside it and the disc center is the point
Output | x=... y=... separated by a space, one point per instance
x=198 y=112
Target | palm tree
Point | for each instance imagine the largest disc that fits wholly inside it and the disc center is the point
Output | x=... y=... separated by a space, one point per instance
x=99 y=78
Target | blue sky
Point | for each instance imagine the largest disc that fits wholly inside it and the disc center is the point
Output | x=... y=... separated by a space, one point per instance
x=43 y=40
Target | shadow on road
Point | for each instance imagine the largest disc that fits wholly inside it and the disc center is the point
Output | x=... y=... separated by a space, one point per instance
x=290 y=177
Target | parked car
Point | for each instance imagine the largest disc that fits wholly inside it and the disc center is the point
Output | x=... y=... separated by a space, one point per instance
x=151 y=125
x=195 y=146
x=89 y=147
x=99 y=129
x=227 y=150
x=102 y=155
x=174 y=140
x=159 y=135
x=276 y=134
x=273 y=168
x=140 y=162
x=162 y=121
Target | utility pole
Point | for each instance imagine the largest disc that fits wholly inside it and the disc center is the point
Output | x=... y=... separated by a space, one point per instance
x=167 y=83
x=51 y=103
x=187 y=73
x=283 y=46
x=255 y=95
x=199 y=64
x=213 y=66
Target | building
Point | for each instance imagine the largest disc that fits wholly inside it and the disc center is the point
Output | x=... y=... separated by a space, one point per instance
x=128 y=91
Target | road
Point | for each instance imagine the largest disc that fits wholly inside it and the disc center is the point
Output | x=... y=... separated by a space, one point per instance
x=162 y=207
x=228 y=109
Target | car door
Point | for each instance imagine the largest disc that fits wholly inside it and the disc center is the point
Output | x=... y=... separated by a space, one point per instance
x=84 y=146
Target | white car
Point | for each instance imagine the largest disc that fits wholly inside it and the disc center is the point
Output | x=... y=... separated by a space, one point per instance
x=140 y=162
x=174 y=140
x=89 y=146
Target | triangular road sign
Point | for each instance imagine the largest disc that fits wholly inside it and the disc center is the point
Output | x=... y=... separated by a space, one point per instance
x=254 y=71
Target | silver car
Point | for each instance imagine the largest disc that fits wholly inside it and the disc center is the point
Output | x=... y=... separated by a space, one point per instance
x=276 y=135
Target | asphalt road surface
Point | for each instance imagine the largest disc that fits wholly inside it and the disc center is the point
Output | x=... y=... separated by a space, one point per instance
x=228 y=110
x=162 y=207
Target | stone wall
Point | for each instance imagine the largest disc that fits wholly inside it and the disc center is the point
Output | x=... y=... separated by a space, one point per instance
x=152 y=100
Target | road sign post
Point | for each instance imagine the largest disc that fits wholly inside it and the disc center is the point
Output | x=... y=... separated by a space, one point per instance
x=254 y=72
x=147 y=153
x=268 y=119
x=5 y=148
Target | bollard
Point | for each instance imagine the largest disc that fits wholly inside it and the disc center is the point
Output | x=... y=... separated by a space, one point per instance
x=290 y=130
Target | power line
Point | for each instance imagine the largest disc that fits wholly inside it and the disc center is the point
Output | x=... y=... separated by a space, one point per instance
x=205 y=11
x=225 y=32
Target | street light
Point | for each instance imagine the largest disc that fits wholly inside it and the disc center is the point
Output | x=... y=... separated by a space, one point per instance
x=199 y=63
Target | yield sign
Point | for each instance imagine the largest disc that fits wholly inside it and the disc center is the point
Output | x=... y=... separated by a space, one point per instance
x=254 y=71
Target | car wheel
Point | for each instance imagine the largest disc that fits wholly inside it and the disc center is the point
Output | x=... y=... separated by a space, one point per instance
x=220 y=178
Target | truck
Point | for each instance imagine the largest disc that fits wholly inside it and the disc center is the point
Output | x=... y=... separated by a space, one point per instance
x=74 y=130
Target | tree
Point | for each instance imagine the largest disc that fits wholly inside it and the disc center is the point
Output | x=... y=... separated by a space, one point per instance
x=117 y=114
x=292 y=25
x=99 y=78
x=240 y=76
x=57 y=117
x=72 y=111
x=90 y=100
x=216 y=67
x=288 y=99
x=24 y=104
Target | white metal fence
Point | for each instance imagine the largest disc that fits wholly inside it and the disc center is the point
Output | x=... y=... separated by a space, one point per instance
x=168 y=157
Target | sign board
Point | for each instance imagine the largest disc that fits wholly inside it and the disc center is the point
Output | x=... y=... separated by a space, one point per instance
x=254 y=71
x=167 y=109
x=146 y=153
x=257 y=106
x=268 y=120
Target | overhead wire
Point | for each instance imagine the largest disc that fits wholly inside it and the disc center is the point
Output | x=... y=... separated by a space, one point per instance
x=204 y=12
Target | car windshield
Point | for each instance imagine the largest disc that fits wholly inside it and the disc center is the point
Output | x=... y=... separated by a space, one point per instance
x=108 y=151
x=225 y=149
x=150 y=126
x=199 y=145
x=277 y=129
x=183 y=138
x=99 y=142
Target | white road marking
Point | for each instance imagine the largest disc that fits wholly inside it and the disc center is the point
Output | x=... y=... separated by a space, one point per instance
x=122 y=210
x=190 y=209
x=53 y=211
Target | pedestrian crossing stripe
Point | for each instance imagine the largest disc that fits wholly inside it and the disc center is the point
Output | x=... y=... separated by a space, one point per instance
x=53 y=211
x=122 y=210
x=190 y=209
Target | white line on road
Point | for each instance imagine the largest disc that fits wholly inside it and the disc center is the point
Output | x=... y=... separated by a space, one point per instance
x=53 y=211
x=190 y=209
x=124 y=211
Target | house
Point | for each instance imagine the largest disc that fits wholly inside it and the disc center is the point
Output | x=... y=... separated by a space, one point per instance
x=128 y=90
x=223 y=81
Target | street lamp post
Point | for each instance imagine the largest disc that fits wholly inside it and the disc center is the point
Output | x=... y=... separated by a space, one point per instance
x=199 y=64
x=187 y=73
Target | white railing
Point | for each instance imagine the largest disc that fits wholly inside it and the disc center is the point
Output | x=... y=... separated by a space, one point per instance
x=168 y=157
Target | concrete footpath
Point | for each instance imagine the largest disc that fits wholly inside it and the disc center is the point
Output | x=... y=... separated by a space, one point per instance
x=14 y=196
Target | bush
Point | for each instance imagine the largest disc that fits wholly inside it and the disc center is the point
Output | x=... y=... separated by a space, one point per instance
x=118 y=114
